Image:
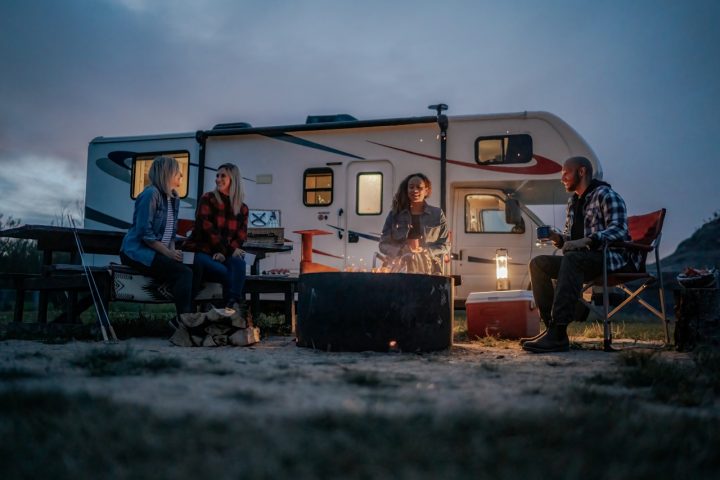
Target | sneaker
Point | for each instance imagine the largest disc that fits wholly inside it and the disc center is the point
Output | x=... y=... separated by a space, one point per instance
x=174 y=323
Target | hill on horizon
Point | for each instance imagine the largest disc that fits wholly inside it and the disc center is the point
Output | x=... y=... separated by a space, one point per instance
x=701 y=250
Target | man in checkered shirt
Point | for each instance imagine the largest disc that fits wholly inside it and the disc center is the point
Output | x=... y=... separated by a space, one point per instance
x=595 y=214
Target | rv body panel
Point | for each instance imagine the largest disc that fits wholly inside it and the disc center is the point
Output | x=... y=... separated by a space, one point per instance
x=376 y=156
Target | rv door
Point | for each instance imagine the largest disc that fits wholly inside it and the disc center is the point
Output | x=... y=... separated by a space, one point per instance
x=484 y=221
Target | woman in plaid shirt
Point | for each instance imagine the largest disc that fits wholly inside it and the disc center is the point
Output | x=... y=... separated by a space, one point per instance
x=219 y=233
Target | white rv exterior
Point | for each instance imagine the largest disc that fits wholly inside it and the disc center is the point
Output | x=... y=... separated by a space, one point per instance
x=279 y=163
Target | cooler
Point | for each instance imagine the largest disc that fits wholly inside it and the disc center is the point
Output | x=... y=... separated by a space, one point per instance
x=506 y=314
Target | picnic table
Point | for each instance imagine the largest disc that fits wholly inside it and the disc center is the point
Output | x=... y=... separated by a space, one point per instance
x=71 y=279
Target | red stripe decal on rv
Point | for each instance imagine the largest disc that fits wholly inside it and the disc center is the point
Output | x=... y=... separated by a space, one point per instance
x=542 y=166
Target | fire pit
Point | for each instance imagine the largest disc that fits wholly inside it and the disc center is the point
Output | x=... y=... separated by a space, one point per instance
x=358 y=311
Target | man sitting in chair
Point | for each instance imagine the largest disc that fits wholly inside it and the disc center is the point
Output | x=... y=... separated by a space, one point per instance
x=595 y=214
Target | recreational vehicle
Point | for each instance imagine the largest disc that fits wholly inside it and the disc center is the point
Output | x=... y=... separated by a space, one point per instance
x=338 y=175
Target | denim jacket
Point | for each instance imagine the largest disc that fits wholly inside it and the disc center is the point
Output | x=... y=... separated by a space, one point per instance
x=148 y=225
x=397 y=227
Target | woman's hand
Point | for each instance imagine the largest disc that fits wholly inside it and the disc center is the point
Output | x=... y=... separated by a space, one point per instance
x=413 y=244
x=238 y=253
x=219 y=257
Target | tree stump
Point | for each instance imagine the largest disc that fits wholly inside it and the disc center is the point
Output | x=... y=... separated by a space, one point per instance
x=697 y=313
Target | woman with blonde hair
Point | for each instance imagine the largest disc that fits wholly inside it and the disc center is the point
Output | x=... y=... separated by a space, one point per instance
x=219 y=233
x=149 y=245
x=415 y=234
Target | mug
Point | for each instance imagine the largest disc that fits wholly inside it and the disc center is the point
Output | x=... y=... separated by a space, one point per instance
x=543 y=232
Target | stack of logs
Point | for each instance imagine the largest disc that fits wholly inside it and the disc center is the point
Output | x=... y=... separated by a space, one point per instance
x=217 y=328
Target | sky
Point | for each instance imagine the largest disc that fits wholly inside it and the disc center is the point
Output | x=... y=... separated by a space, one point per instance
x=638 y=79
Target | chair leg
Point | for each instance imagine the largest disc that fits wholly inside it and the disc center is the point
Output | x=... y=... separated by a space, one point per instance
x=661 y=292
x=607 y=330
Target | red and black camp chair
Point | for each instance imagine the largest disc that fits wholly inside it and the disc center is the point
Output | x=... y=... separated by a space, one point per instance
x=645 y=232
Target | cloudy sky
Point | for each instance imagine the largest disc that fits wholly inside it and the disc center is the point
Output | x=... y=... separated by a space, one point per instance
x=639 y=79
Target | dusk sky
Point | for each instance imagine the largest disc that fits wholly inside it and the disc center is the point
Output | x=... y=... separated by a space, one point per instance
x=639 y=80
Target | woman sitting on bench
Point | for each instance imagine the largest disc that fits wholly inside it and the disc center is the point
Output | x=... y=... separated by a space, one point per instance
x=149 y=245
x=219 y=233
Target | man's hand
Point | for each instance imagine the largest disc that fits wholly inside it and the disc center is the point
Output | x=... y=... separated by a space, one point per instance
x=579 y=244
x=238 y=253
x=219 y=257
x=174 y=254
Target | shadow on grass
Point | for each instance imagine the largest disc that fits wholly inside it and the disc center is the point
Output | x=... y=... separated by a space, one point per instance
x=114 y=440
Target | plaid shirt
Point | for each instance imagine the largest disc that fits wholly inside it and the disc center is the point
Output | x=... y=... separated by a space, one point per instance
x=605 y=221
x=217 y=230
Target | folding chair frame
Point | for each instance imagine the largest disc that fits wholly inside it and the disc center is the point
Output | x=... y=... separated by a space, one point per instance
x=610 y=279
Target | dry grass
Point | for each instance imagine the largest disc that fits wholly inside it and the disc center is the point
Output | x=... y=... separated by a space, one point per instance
x=76 y=437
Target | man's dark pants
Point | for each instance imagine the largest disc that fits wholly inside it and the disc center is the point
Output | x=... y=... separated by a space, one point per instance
x=557 y=305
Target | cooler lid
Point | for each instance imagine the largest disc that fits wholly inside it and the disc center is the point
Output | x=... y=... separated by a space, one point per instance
x=500 y=296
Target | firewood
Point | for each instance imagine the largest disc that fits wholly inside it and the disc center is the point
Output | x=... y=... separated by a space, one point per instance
x=181 y=337
x=245 y=336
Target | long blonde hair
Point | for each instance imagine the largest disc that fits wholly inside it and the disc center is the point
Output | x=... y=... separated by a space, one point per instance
x=161 y=173
x=237 y=192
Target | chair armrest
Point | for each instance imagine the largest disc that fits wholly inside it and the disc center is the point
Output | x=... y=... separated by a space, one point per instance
x=631 y=246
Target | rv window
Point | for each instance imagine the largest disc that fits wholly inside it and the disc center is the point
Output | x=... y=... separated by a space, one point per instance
x=369 y=189
x=318 y=187
x=141 y=167
x=486 y=214
x=507 y=149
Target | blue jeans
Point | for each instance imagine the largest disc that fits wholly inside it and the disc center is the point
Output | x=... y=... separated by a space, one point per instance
x=230 y=273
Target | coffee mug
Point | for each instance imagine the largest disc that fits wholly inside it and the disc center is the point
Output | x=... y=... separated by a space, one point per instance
x=543 y=232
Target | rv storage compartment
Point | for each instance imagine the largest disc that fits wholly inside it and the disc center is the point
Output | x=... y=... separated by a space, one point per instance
x=506 y=314
x=357 y=311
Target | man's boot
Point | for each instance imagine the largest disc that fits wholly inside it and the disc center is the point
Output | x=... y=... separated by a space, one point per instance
x=554 y=340
x=524 y=340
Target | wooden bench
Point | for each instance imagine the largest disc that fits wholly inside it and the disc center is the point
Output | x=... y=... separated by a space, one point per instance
x=71 y=281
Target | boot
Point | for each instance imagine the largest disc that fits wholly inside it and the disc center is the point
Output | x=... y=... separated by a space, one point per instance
x=524 y=340
x=554 y=340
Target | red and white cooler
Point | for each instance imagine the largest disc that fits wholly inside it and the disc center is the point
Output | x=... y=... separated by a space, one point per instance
x=505 y=314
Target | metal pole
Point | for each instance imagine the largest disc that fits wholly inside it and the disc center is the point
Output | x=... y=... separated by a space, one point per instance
x=101 y=313
x=443 y=124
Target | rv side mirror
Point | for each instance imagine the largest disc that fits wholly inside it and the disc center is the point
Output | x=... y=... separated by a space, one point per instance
x=513 y=214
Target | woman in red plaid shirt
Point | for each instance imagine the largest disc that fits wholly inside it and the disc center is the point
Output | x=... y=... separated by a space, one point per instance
x=219 y=233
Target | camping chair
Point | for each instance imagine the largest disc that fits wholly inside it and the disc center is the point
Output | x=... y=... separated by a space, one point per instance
x=645 y=232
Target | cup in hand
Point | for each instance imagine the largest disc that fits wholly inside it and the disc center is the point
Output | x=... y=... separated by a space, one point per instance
x=413 y=244
x=188 y=257
x=543 y=232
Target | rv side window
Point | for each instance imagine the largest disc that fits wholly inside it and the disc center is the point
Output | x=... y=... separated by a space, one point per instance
x=369 y=187
x=317 y=187
x=486 y=214
x=141 y=167
x=507 y=149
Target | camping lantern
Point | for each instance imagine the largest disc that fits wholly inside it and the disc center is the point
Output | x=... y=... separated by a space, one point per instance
x=501 y=269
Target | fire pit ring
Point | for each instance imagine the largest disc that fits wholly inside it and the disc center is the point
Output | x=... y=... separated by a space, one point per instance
x=358 y=311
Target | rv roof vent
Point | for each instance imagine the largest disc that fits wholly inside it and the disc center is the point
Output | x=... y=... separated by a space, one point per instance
x=340 y=117
x=228 y=126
